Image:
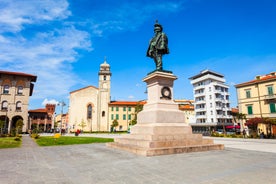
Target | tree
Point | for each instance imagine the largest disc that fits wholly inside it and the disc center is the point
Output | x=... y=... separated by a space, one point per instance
x=18 y=126
x=2 y=123
x=270 y=123
x=114 y=124
x=240 y=117
x=82 y=124
x=138 y=108
x=253 y=124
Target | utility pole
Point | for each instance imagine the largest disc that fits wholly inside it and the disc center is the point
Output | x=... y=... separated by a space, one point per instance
x=62 y=104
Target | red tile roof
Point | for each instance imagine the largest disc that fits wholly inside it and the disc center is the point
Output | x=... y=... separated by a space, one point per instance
x=127 y=102
x=261 y=79
x=235 y=110
x=38 y=110
x=186 y=107
x=33 y=77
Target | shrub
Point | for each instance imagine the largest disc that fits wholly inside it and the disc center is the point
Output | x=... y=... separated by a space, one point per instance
x=35 y=135
x=17 y=139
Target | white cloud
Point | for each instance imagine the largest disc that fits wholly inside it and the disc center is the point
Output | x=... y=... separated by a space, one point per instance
x=15 y=14
x=131 y=97
x=129 y=16
x=52 y=101
x=37 y=37
x=46 y=51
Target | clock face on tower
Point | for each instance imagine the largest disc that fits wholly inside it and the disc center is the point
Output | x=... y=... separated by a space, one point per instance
x=166 y=93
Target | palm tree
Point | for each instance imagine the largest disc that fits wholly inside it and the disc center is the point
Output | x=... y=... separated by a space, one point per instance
x=241 y=116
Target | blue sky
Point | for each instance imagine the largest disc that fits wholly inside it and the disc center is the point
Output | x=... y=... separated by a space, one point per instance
x=63 y=42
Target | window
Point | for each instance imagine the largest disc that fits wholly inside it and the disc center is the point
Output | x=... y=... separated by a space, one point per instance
x=112 y=108
x=4 y=105
x=103 y=113
x=248 y=94
x=124 y=117
x=129 y=117
x=117 y=116
x=89 y=111
x=6 y=89
x=104 y=77
x=124 y=109
x=249 y=109
x=129 y=108
x=117 y=108
x=270 y=90
x=272 y=108
x=20 y=90
x=18 y=106
x=112 y=116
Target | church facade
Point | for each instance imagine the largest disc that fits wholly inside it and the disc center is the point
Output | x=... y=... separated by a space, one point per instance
x=88 y=109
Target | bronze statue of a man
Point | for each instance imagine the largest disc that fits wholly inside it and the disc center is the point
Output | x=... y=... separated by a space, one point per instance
x=158 y=46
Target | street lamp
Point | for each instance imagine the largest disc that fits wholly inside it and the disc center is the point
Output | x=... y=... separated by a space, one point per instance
x=62 y=104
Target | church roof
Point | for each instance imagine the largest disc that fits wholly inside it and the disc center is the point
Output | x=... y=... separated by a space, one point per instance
x=105 y=64
x=83 y=89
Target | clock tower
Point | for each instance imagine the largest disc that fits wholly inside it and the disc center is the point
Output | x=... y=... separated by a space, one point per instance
x=103 y=97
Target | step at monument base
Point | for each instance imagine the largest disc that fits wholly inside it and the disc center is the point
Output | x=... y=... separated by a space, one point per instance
x=163 y=139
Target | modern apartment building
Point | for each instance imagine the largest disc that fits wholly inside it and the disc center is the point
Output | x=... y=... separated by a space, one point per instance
x=16 y=88
x=211 y=101
x=257 y=98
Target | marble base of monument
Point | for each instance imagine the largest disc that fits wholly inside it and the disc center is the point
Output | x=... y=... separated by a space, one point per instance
x=160 y=128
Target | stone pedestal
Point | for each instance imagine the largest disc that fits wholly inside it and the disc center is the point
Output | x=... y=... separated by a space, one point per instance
x=160 y=127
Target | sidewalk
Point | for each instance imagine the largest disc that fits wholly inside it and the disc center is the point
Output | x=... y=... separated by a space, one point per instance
x=27 y=142
x=263 y=145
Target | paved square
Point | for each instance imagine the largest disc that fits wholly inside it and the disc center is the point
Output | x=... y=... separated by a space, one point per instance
x=95 y=163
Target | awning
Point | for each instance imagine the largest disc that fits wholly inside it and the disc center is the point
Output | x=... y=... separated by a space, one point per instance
x=231 y=127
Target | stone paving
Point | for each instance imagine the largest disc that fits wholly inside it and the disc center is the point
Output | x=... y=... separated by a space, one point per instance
x=242 y=162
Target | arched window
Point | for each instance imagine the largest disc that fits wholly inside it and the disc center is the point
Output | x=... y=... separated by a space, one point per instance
x=19 y=90
x=6 y=89
x=103 y=113
x=4 y=105
x=18 y=106
x=89 y=111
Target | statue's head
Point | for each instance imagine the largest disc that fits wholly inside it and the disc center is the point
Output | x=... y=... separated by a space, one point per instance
x=157 y=27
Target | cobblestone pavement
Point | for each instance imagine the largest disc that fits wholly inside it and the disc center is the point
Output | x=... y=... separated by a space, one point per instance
x=242 y=162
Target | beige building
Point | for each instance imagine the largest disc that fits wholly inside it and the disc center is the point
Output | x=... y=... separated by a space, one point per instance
x=124 y=112
x=187 y=106
x=61 y=121
x=88 y=109
x=16 y=88
x=257 y=98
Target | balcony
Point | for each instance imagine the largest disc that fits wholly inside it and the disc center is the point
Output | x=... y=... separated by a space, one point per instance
x=200 y=109
x=270 y=98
